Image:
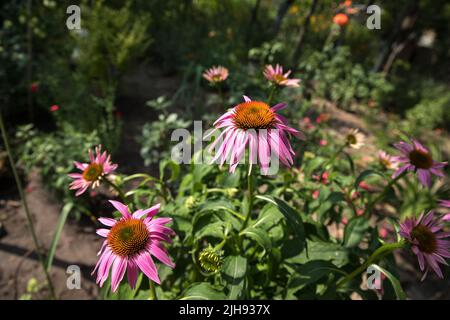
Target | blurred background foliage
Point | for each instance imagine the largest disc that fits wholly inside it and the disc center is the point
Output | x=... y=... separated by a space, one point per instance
x=403 y=69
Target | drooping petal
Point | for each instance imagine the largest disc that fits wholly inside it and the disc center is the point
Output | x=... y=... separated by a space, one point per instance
x=118 y=270
x=146 y=264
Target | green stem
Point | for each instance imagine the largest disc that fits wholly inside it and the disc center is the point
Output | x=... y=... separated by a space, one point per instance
x=153 y=295
x=382 y=251
x=115 y=187
x=383 y=193
x=333 y=158
x=26 y=209
x=250 y=186
x=272 y=94
x=222 y=95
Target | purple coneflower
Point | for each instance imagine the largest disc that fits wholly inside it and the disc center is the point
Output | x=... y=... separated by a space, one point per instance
x=276 y=76
x=426 y=236
x=92 y=173
x=130 y=244
x=387 y=161
x=256 y=124
x=418 y=158
x=216 y=74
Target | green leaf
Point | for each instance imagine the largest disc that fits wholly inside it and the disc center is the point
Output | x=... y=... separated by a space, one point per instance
x=203 y=291
x=294 y=220
x=363 y=175
x=310 y=272
x=59 y=226
x=233 y=273
x=354 y=231
x=400 y=294
x=174 y=167
x=259 y=236
x=319 y=250
x=216 y=230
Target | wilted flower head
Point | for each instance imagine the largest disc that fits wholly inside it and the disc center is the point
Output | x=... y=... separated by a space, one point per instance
x=341 y=19
x=355 y=139
x=387 y=161
x=92 y=173
x=216 y=74
x=417 y=158
x=210 y=260
x=276 y=76
x=130 y=244
x=256 y=124
x=426 y=236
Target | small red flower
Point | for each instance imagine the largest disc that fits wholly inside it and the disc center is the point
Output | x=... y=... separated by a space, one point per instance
x=34 y=87
x=341 y=19
x=383 y=232
x=54 y=108
x=316 y=194
x=323 y=142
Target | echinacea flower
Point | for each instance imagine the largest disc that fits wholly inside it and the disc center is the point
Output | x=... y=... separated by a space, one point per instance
x=277 y=77
x=256 y=124
x=417 y=158
x=387 y=161
x=216 y=74
x=92 y=173
x=130 y=244
x=355 y=139
x=341 y=19
x=426 y=236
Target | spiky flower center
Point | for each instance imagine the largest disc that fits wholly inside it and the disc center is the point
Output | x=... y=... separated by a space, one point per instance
x=217 y=77
x=128 y=237
x=385 y=162
x=279 y=78
x=425 y=237
x=421 y=159
x=352 y=139
x=253 y=115
x=93 y=172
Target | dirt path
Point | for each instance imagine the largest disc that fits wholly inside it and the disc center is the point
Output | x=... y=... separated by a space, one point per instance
x=78 y=246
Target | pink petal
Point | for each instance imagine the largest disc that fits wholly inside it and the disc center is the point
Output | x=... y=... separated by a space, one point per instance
x=149 y=212
x=161 y=254
x=107 y=221
x=146 y=264
x=132 y=273
x=118 y=270
x=123 y=209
